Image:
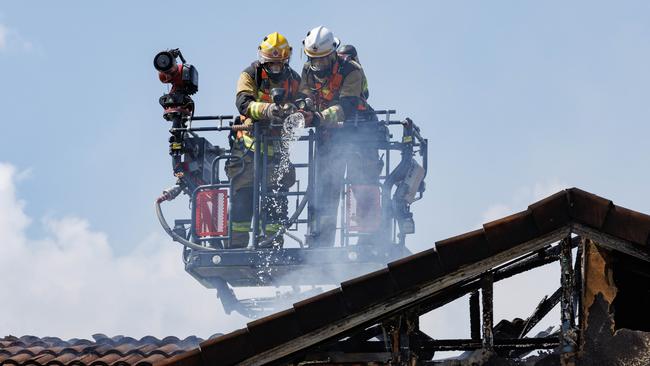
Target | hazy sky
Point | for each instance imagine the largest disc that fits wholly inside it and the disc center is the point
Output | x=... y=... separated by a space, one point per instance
x=518 y=100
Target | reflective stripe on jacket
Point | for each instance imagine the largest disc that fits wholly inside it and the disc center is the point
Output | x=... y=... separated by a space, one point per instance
x=254 y=96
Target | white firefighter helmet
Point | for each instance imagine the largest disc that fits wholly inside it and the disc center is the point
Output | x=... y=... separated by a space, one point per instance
x=320 y=42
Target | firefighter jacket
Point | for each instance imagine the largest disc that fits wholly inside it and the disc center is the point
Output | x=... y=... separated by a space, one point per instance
x=338 y=95
x=254 y=95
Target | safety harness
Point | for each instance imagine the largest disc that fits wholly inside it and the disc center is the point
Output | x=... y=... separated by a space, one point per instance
x=330 y=89
x=263 y=82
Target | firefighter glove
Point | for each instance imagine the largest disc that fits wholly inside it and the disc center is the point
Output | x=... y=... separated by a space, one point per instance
x=312 y=119
x=288 y=109
x=272 y=111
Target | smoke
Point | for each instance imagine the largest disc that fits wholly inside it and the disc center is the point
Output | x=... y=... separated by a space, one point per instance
x=3 y=37
x=10 y=39
x=69 y=283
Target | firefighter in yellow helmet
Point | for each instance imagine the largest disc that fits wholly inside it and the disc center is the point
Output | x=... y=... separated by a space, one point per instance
x=338 y=88
x=253 y=100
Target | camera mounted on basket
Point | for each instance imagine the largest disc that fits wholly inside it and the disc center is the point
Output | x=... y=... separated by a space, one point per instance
x=183 y=77
x=178 y=103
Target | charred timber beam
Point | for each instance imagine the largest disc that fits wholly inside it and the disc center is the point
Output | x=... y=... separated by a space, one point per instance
x=474 y=315
x=364 y=335
x=434 y=345
x=520 y=344
x=577 y=281
x=611 y=242
x=360 y=347
x=330 y=358
x=547 y=304
x=523 y=264
x=487 y=282
x=531 y=261
x=400 y=331
x=419 y=338
x=567 y=325
x=431 y=346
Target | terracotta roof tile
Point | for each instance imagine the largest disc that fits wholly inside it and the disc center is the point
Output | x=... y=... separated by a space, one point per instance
x=43 y=358
x=135 y=358
x=273 y=330
x=510 y=231
x=227 y=349
x=329 y=306
x=462 y=249
x=151 y=360
x=103 y=350
x=21 y=357
x=360 y=292
x=189 y=358
x=551 y=213
x=416 y=269
x=109 y=358
x=628 y=225
x=587 y=208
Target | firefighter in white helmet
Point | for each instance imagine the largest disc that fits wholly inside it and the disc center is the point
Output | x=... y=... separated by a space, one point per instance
x=254 y=103
x=338 y=88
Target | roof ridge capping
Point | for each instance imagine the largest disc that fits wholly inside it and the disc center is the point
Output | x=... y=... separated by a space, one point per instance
x=569 y=206
x=603 y=215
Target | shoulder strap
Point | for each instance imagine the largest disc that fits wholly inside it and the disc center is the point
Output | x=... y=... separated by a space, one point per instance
x=290 y=79
x=258 y=74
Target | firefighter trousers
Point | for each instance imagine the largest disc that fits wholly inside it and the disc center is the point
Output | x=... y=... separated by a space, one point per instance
x=274 y=209
x=332 y=158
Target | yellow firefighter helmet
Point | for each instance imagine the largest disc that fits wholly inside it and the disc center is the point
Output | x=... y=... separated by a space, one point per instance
x=274 y=48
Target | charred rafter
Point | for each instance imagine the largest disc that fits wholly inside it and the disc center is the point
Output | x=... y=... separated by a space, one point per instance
x=359 y=337
x=518 y=266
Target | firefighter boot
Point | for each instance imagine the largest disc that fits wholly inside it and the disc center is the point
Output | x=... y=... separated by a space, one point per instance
x=270 y=232
x=277 y=242
x=239 y=239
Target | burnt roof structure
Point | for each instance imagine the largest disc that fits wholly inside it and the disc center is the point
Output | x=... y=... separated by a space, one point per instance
x=341 y=326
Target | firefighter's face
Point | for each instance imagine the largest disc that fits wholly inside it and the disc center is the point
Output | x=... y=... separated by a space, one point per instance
x=320 y=64
x=274 y=67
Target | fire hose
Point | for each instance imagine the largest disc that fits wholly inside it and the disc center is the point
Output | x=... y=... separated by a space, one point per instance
x=168 y=195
